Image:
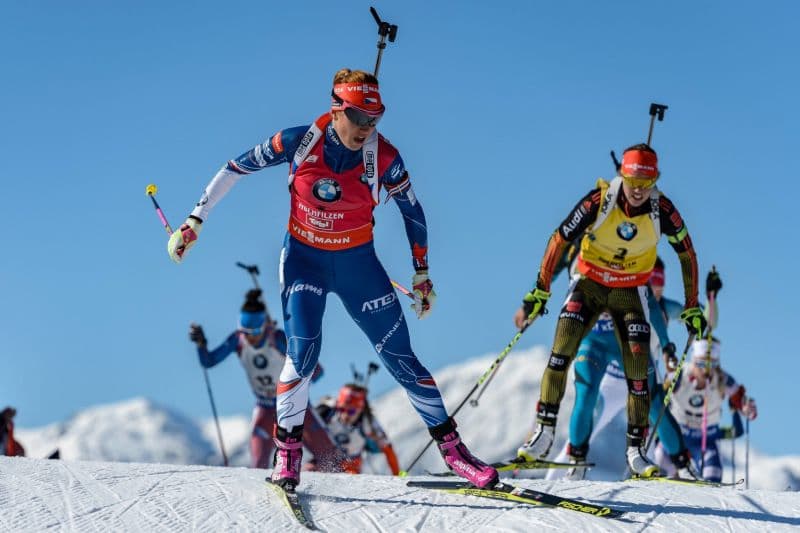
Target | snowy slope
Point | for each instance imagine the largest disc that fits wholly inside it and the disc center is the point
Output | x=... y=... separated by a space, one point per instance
x=141 y=431
x=37 y=495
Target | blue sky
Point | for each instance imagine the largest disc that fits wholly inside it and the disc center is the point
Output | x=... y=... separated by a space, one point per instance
x=504 y=113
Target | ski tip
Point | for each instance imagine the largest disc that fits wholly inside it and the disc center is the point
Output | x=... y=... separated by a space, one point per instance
x=288 y=487
x=151 y=189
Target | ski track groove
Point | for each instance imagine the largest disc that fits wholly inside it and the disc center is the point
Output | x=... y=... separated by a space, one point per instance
x=368 y=495
x=373 y=520
x=650 y=520
x=143 y=501
x=86 y=496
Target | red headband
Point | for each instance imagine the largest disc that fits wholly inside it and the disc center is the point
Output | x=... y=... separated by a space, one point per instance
x=639 y=164
x=364 y=96
x=349 y=397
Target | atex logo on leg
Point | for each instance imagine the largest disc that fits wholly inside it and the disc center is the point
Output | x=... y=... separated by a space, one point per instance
x=379 y=304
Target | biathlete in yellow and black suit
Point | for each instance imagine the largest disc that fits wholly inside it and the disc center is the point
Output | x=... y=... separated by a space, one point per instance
x=623 y=221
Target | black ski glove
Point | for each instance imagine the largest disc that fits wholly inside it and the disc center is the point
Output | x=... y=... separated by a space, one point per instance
x=197 y=336
x=713 y=282
x=694 y=320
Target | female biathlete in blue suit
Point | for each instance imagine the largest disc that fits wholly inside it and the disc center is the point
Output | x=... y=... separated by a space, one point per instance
x=337 y=167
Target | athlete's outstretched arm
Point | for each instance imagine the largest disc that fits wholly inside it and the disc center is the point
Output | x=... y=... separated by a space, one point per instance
x=218 y=354
x=673 y=227
x=279 y=148
x=398 y=186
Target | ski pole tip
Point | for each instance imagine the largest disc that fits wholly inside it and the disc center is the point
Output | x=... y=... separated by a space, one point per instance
x=151 y=189
x=402 y=473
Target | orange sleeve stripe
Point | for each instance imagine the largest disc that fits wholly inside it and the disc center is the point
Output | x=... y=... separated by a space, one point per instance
x=552 y=255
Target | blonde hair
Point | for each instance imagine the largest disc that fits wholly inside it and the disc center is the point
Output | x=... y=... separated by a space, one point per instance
x=346 y=75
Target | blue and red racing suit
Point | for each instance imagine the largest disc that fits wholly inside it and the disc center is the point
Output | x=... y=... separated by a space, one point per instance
x=329 y=248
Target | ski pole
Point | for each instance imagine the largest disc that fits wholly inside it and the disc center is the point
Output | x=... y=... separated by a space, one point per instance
x=474 y=402
x=704 y=431
x=656 y=110
x=707 y=371
x=483 y=378
x=384 y=30
x=747 y=452
x=677 y=374
x=668 y=395
x=733 y=457
x=402 y=289
x=216 y=418
x=151 y=191
x=252 y=270
x=704 y=425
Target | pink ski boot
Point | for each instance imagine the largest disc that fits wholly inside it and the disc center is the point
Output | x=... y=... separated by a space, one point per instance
x=459 y=459
x=288 y=457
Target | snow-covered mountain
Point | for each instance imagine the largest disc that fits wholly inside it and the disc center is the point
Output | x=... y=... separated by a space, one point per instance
x=139 y=430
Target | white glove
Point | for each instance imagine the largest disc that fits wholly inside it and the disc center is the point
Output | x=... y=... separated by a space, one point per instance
x=184 y=238
x=424 y=295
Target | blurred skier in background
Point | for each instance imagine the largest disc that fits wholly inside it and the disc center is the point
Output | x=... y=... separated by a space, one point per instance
x=703 y=386
x=261 y=347
x=8 y=445
x=354 y=428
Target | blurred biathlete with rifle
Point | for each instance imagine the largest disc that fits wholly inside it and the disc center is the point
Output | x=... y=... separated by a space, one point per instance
x=622 y=221
x=337 y=168
x=354 y=428
x=261 y=348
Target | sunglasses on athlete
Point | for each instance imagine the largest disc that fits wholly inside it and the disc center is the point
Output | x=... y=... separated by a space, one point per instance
x=358 y=116
x=705 y=363
x=639 y=183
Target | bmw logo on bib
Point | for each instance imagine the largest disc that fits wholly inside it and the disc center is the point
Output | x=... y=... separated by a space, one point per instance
x=696 y=400
x=627 y=230
x=327 y=190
